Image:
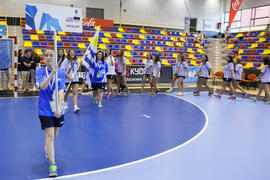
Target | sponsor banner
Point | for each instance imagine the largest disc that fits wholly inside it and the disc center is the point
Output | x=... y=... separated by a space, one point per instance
x=134 y=74
x=192 y=70
x=53 y=18
x=235 y=4
x=97 y=22
x=6 y=53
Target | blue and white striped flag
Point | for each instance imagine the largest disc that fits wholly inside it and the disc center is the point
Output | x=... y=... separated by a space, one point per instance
x=90 y=55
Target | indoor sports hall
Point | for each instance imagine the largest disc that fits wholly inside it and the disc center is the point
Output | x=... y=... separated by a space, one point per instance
x=137 y=90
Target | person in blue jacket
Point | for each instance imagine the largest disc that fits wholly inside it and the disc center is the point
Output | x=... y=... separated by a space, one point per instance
x=99 y=79
x=50 y=119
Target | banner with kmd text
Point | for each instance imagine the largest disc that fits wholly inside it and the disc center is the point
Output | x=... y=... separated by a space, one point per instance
x=51 y=17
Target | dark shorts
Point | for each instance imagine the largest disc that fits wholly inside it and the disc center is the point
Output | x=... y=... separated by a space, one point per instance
x=119 y=73
x=110 y=77
x=96 y=86
x=237 y=80
x=227 y=79
x=48 y=121
x=182 y=77
x=72 y=83
x=147 y=75
x=266 y=82
x=203 y=77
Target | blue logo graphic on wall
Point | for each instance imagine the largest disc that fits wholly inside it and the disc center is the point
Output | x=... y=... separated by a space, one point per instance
x=50 y=22
x=46 y=19
x=192 y=70
x=30 y=13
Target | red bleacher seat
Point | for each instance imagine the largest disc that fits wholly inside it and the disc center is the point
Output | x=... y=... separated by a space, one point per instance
x=112 y=41
x=50 y=44
x=69 y=33
x=67 y=45
x=122 y=47
x=88 y=34
x=85 y=39
x=130 y=41
x=113 y=35
x=42 y=38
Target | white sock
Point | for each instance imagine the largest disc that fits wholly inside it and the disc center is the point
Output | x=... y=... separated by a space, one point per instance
x=171 y=88
x=75 y=106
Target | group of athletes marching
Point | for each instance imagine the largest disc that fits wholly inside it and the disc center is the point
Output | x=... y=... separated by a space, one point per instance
x=104 y=69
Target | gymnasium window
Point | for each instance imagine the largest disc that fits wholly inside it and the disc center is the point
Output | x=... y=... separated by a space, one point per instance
x=256 y=17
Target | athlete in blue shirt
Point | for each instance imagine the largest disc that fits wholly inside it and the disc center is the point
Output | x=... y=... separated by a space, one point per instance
x=99 y=79
x=50 y=120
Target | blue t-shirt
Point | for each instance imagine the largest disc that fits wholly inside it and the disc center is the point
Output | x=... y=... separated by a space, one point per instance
x=46 y=96
x=99 y=71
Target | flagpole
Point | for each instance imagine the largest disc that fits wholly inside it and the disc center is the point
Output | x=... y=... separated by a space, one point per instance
x=56 y=73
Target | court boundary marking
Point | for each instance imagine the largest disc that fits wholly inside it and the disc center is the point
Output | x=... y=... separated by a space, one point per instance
x=147 y=158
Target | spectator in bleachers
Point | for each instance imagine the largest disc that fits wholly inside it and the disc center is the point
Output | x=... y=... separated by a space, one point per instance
x=203 y=75
x=60 y=57
x=155 y=74
x=175 y=76
x=226 y=34
x=111 y=72
x=267 y=31
x=238 y=70
x=147 y=70
x=20 y=58
x=35 y=60
x=70 y=66
x=237 y=46
x=198 y=37
x=264 y=77
x=121 y=71
x=26 y=65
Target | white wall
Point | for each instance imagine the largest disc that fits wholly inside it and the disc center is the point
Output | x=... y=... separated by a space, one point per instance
x=170 y=12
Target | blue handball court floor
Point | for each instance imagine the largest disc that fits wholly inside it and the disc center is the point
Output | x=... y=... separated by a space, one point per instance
x=141 y=137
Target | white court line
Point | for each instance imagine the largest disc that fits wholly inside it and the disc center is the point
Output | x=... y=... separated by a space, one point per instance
x=148 y=158
x=147 y=116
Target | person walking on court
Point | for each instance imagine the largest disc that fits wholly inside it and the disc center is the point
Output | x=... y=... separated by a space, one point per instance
x=147 y=70
x=50 y=119
x=155 y=74
x=70 y=65
x=175 y=74
x=238 y=70
x=99 y=79
x=182 y=73
x=264 y=77
x=203 y=75
x=227 y=78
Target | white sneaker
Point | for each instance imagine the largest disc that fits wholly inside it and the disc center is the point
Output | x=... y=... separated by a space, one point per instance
x=180 y=94
x=34 y=88
x=253 y=98
x=76 y=108
x=66 y=105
